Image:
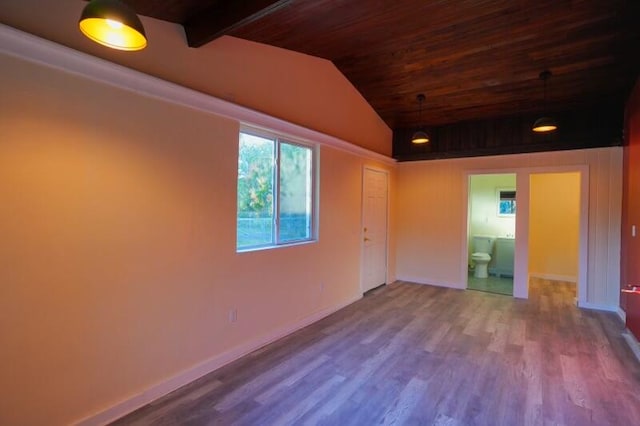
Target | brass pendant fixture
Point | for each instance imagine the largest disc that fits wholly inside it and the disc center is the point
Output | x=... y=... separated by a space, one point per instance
x=420 y=136
x=113 y=24
x=545 y=124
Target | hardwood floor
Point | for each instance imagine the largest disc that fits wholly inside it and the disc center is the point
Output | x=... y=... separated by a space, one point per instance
x=422 y=355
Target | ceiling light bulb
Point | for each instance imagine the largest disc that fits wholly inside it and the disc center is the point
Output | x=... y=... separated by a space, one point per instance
x=114 y=24
x=544 y=129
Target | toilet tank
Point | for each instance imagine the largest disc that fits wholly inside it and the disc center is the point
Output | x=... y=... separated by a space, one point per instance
x=482 y=244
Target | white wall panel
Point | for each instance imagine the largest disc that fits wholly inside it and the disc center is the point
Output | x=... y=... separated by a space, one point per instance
x=431 y=216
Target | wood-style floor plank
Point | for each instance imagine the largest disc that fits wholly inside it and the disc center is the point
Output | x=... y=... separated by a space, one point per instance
x=415 y=354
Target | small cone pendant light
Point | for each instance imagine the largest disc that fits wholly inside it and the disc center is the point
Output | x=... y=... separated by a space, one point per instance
x=545 y=124
x=113 y=24
x=420 y=136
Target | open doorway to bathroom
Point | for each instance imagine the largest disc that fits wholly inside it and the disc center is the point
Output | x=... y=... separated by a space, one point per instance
x=491 y=232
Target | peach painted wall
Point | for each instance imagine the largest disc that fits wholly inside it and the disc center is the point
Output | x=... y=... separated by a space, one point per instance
x=554 y=222
x=118 y=245
x=431 y=225
x=299 y=88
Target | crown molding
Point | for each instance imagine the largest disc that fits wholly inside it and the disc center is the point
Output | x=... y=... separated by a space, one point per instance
x=31 y=48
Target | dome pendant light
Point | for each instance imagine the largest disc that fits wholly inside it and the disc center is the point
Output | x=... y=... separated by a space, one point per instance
x=545 y=124
x=420 y=136
x=113 y=24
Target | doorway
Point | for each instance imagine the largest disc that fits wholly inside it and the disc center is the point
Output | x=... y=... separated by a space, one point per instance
x=521 y=268
x=375 y=190
x=491 y=232
x=554 y=228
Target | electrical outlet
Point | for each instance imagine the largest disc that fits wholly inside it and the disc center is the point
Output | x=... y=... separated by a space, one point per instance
x=233 y=315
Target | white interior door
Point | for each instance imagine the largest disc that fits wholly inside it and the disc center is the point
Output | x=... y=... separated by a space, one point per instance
x=374 y=228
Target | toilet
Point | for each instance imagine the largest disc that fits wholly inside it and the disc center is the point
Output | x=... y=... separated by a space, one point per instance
x=482 y=247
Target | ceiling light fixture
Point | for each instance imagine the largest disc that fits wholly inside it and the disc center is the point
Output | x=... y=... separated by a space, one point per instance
x=113 y=24
x=545 y=124
x=420 y=136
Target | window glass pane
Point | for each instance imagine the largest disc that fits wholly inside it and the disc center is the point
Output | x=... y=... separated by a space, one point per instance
x=507 y=202
x=507 y=207
x=295 y=193
x=255 y=191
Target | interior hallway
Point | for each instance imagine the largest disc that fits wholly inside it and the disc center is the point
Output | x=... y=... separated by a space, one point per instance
x=419 y=354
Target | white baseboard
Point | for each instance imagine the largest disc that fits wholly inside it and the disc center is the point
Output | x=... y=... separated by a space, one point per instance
x=599 y=307
x=161 y=389
x=622 y=314
x=428 y=281
x=632 y=342
x=554 y=277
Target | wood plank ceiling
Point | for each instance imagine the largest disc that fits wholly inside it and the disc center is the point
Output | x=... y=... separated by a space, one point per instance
x=473 y=59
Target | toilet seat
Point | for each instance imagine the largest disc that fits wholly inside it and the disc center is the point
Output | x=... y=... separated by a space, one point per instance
x=481 y=256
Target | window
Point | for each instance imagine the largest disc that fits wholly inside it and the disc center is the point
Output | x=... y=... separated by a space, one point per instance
x=275 y=191
x=506 y=202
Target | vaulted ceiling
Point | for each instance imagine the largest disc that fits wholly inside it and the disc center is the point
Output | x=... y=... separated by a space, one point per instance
x=473 y=59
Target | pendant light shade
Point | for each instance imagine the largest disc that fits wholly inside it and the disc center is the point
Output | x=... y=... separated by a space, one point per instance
x=113 y=24
x=420 y=136
x=544 y=124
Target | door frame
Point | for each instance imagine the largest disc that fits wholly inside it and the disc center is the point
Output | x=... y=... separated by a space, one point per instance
x=521 y=255
x=386 y=228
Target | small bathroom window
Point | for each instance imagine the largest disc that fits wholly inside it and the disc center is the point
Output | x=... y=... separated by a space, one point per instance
x=506 y=202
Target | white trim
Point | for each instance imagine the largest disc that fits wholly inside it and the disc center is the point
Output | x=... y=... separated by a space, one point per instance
x=554 y=277
x=160 y=389
x=34 y=49
x=464 y=253
x=632 y=342
x=622 y=315
x=583 y=250
x=435 y=283
x=598 y=307
x=521 y=255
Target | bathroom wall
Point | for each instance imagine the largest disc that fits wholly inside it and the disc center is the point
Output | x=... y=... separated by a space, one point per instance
x=483 y=206
x=554 y=221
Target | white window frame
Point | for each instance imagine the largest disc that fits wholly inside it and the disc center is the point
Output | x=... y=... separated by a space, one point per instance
x=279 y=139
x=499 y=192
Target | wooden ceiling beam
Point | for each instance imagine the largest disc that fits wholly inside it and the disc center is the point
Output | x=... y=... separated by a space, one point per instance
x=226 y=16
